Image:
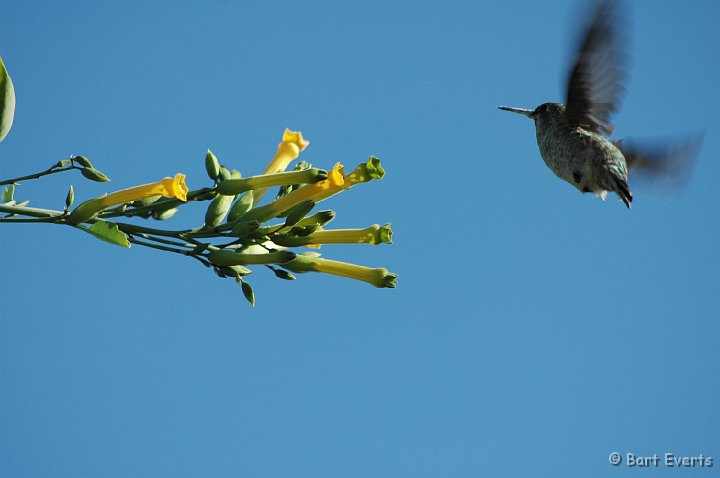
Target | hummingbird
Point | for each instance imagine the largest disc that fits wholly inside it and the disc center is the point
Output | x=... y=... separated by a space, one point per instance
x=574 y=138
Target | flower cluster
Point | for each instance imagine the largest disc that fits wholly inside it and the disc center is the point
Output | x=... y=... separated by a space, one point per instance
x=237 y=232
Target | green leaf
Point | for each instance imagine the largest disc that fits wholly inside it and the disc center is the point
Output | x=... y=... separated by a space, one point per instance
x=108 y=231
x=8 y=193
x=248 y=292
x=7 y=101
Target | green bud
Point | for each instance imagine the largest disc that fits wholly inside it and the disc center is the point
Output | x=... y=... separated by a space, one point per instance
x=303 y=231
x=299 y=212
x=282 y=273
x=61 y=164
x=145 y=201
x=241 y=206
x=8 y=193
x=94 y=175
x=244 y=228
x=230 y=258
x=217 y=210
x=82 y=161
x=233 y=271
x=162 y=215
x=212 y=166
x=70 y=198
x=320 y=218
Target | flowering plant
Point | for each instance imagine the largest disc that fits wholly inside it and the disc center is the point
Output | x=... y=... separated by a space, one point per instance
x=236 y=231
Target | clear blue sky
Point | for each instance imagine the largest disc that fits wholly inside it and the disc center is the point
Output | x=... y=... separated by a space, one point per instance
x=534 y=330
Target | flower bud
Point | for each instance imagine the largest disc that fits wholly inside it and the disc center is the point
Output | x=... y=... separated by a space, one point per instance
x=241 y=206
x=94 y=175
x=212 y=166
x=163 y=215
x=244 y=228
x=217 y=210
x=299 y=212
x=70 y=198
x=82 y=161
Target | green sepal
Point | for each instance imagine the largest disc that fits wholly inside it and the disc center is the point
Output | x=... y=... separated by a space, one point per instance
x=374 y=168
x=107 y=231
x=94 y=175
x=212 y=166
x=7 y=101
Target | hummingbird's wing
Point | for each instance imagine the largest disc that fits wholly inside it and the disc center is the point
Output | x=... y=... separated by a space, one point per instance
x=661 y=161
x=595 y=81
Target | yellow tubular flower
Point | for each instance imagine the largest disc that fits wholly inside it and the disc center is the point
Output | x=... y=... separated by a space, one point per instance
x=379 y=277
x=288 y=150
x=168 y=187
x=315 y=192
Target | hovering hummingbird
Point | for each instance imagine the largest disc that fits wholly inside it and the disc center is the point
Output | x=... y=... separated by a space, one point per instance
x=574 y=138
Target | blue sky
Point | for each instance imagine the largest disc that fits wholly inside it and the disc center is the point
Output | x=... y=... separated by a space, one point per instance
x=534 y=330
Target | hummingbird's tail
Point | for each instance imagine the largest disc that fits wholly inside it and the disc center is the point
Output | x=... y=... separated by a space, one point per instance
x=623 y=191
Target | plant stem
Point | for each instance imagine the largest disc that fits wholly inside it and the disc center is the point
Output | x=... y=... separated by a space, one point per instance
x=52 y=170
x=31 y=211
x=157 y=246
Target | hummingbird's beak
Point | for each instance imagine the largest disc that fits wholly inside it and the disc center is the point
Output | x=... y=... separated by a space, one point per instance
x=522 y=111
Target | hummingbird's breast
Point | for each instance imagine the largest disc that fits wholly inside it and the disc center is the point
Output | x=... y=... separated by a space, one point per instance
x=583 y=158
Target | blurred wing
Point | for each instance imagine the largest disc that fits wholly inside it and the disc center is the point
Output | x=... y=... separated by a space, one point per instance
x=595 y=82
x=666 y=162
